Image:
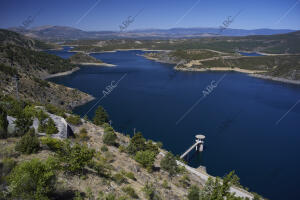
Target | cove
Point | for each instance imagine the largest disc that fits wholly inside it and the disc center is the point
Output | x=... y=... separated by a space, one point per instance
x=238 y=117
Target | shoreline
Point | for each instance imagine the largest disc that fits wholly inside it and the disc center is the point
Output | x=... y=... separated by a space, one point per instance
x=278 y=79
x=252 y=73
x=219 y=69
x=157 y=59
x=76 y=69
x=61 y=73
x=97 y=64
x=86 y=100
x=113 y=51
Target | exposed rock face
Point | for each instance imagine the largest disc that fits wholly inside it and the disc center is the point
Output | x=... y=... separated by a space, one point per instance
x=11 y=125
x=64 y=129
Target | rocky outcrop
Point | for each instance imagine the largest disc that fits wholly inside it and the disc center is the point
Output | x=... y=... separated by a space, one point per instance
x=64 y=129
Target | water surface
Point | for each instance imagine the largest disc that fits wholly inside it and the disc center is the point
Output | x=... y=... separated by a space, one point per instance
x=250 y=54
x=238 y=117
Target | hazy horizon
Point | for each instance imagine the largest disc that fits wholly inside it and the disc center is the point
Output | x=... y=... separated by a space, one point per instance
x=103 y=15
x=141 y=29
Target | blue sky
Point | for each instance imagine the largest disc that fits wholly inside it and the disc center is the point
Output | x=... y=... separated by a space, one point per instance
x=109 y=14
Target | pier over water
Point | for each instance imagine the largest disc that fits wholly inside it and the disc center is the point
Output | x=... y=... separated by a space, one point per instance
x=198 y=145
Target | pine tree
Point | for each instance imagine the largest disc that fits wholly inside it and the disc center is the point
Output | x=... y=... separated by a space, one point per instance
x=51 y=127
x=29 y=143
x=137 y=143
x=23 y=123
x=100 y=116
x=169 y=164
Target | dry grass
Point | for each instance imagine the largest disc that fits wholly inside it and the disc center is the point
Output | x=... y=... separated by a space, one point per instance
x=119 y=162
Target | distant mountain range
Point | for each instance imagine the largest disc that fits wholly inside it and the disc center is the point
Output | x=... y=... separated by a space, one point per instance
x=69 y=33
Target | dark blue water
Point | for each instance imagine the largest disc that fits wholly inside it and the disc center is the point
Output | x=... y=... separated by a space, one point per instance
x=238 y=117
x=250 y=54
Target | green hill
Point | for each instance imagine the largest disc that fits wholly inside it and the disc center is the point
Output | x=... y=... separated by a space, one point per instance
x=21 y=56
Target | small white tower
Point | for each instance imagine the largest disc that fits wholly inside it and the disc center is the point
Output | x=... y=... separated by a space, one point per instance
x=200 y=141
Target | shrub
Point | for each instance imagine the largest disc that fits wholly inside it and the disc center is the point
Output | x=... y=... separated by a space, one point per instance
x=3 y=123
x=165 y=185
x=129 y=175
x=122 y=148
x=46 y=123
x=152 y=147
x=6 y=166
x=23 y=123
x=78 y=196
x=101 y=168
x=32 y=179
x=109 y=138
x=104 y=148
x=108 y=129
x=29 y=143
x=123 y=198
x=41 y=82
x=109 y=157
x=30 y=111
x=14 y=107
x=150 y=192
x=194 y=193
x=41 y=127
x=168 y=163
x=145 y=158
x=100 y=116
x=234 y=179
x=74 y=119
x=105 y=125
x=89 y=193
x=55 y=110
x=41 y=115
x=83 y=135
x=8 y=70
x=8 y=152
x=86 y=118
x=51 y=127
x=159 y=144
x=137 y=143
x=119 y=178
x=130 y=191
x=100 y=195
x=75 y=157
x=184 y=181
x=53 y=144
x=110 y=196
x=83 y=130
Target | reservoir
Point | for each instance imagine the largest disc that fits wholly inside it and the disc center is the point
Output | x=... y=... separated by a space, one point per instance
x=248 y=122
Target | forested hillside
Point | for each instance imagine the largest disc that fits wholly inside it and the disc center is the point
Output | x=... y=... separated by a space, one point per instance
x=21 y=56
x=281 y=43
